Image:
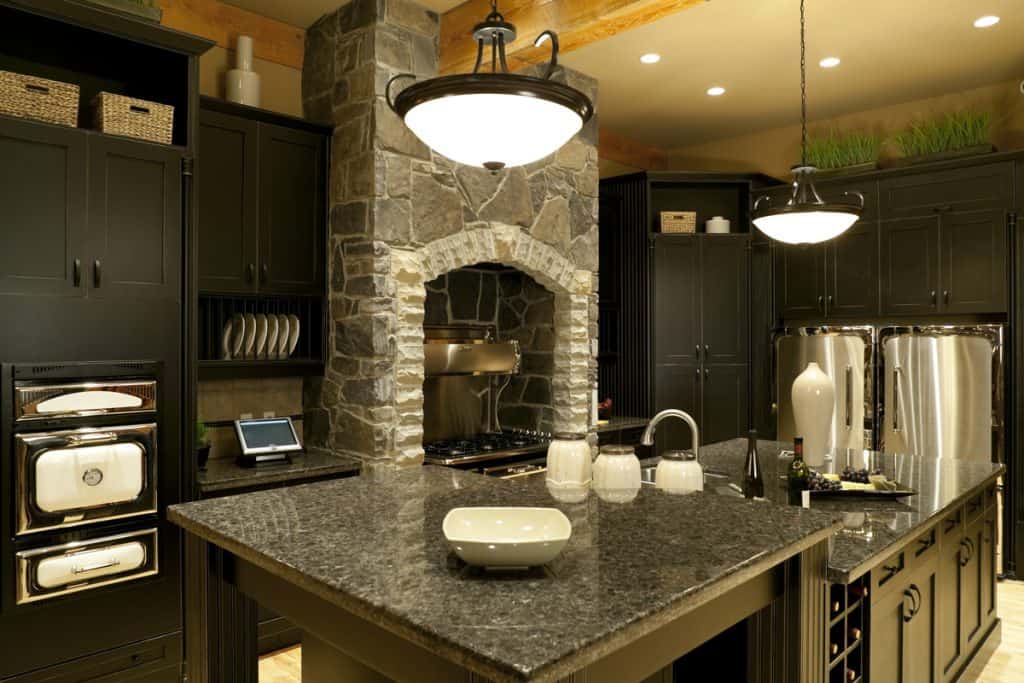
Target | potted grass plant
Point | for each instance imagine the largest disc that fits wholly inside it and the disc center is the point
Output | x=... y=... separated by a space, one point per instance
x=957 y=134
x=836 y=154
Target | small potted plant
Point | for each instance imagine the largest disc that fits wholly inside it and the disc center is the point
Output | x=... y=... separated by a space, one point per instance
x=202 y=444
x=958 y=134
x=836 y=154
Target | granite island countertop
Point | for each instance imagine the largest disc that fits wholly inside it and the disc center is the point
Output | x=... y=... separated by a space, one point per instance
x=871 y=529
x=373 y=545
x=224 y=474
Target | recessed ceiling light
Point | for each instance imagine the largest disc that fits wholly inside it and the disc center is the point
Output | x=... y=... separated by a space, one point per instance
x=650 y=58
x=716 y=91
x=986 y=21
x=829 y=62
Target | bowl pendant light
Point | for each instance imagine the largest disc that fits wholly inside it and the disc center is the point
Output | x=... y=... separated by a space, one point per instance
x=493 y=119
x=806 y=218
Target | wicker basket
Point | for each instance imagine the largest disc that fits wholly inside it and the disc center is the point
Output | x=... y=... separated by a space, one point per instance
x=41 y=99
x=679 y=221
x=120 y=115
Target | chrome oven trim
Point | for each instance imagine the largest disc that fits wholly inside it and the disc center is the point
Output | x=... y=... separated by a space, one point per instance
x=30 y=520
x=27 y=398
x=27 y=592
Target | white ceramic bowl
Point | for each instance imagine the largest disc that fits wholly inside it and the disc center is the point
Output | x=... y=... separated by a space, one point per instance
x=507 y=536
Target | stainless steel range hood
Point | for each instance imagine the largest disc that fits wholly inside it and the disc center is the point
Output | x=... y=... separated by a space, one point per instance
x=476 y=357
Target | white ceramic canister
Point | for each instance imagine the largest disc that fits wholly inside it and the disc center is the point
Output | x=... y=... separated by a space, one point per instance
x=617 y=474
x=813 y=396
x=570 y=469
x=242 y=84
x=717 y=226
x=678 y=473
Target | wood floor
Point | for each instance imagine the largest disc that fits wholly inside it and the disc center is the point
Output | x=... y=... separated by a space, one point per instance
x=1005 y=666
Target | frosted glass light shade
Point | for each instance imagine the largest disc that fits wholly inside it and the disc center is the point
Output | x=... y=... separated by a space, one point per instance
x=485 y=128
x=805 y=227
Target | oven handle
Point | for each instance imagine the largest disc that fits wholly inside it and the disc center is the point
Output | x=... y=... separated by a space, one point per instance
x=92 y=438
x=85 y=569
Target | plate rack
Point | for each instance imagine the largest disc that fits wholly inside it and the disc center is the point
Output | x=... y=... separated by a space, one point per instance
x=216 y=311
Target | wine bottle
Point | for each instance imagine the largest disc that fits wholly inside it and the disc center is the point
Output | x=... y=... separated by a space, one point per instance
x=798 y=474
x=753 y=481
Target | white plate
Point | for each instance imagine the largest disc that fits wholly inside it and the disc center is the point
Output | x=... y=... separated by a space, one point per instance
x=293 y=333
x=261 y=336
x=237 y=335
x=226 y=341
x=283 y=330
x=507 y=536
x=273 y=324
x=250 y=335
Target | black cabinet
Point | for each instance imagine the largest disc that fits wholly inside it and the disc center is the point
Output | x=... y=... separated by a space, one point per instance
x=88 y=214
x=701 y=334
x=229 y=206
x=262 y=202
x=43 y=201
x=800 y=280
x=134 y=219
x=903 y=626
x=946 y=263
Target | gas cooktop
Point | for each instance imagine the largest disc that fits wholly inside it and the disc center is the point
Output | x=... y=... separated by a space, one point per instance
x=485 y=447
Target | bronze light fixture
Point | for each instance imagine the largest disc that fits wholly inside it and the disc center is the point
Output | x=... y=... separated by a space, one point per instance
x=492 y=118
x=806 y=218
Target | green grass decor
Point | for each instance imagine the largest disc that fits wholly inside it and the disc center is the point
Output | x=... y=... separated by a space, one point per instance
x=951 y=132
x=839 y=151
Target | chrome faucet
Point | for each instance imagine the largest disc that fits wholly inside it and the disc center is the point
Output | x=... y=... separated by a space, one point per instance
x=652 y=426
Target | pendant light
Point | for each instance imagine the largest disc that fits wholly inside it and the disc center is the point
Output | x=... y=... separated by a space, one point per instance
x=806 y=218
x=493 y=119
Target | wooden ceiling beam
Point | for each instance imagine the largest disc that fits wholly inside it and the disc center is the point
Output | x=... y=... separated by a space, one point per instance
x=614 y=147
x=577 y=22
x=273 y=41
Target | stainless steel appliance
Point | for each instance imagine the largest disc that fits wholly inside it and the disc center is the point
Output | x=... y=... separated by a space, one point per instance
x=466 y=369
x=942 y=391
x=928 y=390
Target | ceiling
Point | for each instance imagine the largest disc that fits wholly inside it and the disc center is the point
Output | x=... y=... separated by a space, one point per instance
x=891 y=52
x=303 y=13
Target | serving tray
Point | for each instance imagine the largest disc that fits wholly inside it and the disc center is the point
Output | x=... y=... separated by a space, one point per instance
x=900 y=492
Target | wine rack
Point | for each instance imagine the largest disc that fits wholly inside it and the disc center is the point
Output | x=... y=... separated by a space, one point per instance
x=847 y=627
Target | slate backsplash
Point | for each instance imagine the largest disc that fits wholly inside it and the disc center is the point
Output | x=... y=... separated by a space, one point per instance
x=517 y=307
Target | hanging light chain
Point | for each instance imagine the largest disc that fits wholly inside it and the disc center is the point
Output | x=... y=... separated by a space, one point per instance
x=803 y=90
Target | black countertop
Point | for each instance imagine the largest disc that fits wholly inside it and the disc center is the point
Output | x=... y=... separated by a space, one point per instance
x=373 y=545
x=224 y=474
x=871 y=529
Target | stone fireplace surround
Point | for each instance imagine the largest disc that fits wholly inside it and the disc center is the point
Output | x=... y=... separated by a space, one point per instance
x=402 y=216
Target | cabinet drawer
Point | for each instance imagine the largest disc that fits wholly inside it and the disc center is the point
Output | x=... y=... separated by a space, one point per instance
x=976 y=507
x=952 y=525
x=925 y=547
x=961 y=189
x=157 y=660
x=887 y=575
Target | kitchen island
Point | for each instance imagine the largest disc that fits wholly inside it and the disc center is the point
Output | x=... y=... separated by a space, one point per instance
x=362 y=566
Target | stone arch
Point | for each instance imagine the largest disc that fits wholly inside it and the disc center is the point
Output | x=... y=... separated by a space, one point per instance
x=508 y=245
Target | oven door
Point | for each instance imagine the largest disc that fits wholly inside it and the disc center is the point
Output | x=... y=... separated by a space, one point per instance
x=74 y=477
x=53 y=571
x=34 y=402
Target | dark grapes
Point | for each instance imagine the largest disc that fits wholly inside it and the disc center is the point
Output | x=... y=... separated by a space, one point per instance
x=816 y=482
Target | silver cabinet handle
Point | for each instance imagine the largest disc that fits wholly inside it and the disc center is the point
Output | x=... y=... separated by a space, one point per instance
x=935 y=299
x=77 y=272
x=707 y=351
x=821 y=304
x=85 y=569
x=849 y=397
x=696 y=350
x=97 y=273
x=896 y=400
x=945 y=296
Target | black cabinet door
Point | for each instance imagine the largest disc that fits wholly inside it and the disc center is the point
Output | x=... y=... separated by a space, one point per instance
x=960 y=189
x=292 y=210
x=919 y=635
x=676 y=386
x=950 y=596
x=973 y=608
x=852 y=260
x=724 y=392
x=886 y=634
x=800 y=281
x=973 y=262
x=227 y=177
x=676 y=300
x=43 y=204
x=724 y=293
x=910 y=266
x=134 y=219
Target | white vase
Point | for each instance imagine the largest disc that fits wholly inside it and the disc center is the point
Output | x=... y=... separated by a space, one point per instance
x=813 y=396
x=570 y=469
x=617 y=474
x=242 y=84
